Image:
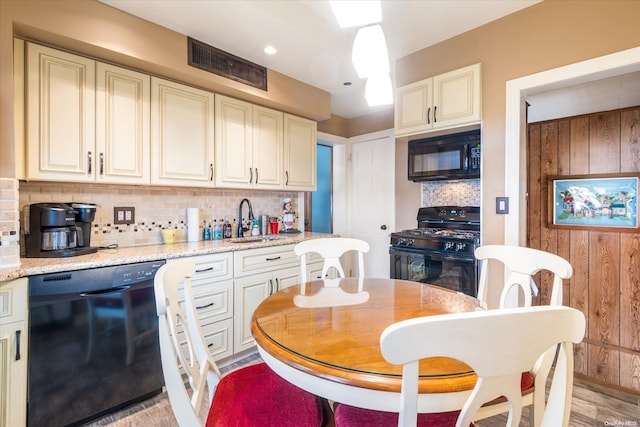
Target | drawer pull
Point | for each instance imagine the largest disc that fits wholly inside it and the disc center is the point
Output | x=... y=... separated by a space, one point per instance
x=205 y=306
x=204 y=269
x=273 y=259
x=18 y=344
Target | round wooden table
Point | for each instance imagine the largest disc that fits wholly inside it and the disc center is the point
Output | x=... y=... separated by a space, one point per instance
x=324 y=336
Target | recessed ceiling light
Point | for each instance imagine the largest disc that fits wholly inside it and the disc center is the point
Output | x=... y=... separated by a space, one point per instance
x=270 y=50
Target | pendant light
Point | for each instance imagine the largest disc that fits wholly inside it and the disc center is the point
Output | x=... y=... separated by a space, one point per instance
x=369 y=54
x=356 y=13
x=378 y=90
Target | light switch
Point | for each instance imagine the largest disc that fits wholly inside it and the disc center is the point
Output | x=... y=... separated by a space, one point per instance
x=502 y=205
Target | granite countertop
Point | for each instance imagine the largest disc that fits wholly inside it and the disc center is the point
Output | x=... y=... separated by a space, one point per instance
x=129 y=255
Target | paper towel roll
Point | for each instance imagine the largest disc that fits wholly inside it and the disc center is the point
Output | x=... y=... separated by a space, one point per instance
x=193 y=224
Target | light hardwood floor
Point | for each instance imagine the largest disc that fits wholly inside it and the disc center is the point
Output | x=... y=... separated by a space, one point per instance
x=592 y=406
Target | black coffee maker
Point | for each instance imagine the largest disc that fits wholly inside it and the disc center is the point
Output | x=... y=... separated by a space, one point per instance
x=59 y=230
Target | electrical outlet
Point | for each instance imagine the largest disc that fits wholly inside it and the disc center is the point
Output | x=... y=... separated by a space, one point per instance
x=124 y=215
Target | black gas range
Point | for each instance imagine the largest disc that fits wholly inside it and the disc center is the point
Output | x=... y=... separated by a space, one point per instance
x=440 y=250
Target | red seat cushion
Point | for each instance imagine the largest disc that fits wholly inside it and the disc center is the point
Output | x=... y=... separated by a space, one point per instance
x=350 y=416
x=256 y=396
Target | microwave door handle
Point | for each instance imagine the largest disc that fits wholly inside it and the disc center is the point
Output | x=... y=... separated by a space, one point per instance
x=465 y=165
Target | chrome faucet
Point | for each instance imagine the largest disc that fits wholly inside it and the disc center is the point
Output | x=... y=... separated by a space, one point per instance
x=241 y=229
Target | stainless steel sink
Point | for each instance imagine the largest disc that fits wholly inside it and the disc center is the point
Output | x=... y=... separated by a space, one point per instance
x=257 y=239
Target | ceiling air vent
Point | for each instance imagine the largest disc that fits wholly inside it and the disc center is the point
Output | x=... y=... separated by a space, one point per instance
x=224 y=64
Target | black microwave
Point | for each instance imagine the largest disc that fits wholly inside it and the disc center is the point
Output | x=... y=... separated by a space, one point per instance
x=454 y=156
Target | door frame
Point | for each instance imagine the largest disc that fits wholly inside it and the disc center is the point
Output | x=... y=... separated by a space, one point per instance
x=308 y=212
x=611 y=65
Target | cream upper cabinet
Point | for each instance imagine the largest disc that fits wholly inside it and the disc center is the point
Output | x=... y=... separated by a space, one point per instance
x=445 y=101
x=60 y=115
x=299 y=153
x=268 y=147
x=122 y=125
x=182 y=136
x=234 y=153
x=248 y=145
x=86 y=121
x=13 y=353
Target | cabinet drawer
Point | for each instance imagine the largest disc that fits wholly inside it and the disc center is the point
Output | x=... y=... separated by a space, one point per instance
x=213 y=267
x=13 y=301
x=264 y=259
x=218 y=336
x=213 y=302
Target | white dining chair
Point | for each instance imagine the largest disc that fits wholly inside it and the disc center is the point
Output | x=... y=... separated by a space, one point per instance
x=521 y=264
x=497 y=344
x=331 y=249
x=249 y=396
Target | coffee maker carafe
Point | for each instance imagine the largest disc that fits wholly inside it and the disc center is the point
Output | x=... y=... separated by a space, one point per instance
x=59 y=230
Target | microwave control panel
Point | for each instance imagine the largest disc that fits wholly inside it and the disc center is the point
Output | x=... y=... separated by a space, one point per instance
x=475 y=157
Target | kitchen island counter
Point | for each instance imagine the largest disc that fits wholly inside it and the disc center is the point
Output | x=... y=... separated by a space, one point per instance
x=133 y=254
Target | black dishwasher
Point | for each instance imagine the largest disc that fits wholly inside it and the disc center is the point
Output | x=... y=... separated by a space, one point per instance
x=93 y=343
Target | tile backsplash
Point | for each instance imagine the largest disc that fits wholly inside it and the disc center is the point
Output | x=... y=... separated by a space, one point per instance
x=9 y=223
x=155 y=207
x=451 y=193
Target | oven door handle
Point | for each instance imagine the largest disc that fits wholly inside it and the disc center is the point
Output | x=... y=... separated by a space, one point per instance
x=434 y=255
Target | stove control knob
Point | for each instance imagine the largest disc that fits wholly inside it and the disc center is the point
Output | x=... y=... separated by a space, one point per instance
x=460 y=247
x=410 y=242
x=448 y=246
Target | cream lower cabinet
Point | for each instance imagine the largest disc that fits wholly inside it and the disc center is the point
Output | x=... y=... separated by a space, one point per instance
x=13 y=353
x=213 y=296
x=259 y=273
x=445 y=101
x=86 y=121
x=248 y=145
x=182 y=135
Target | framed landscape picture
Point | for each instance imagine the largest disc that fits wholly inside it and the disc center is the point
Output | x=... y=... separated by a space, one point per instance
x=606 y=202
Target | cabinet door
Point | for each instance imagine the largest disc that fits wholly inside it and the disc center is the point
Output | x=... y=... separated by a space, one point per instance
x=122 y=125
x=234 y=166
x=182 y=139
x=413 y=111
x=249 y=293
x=456 y=97
x=13 y=353
x=285 y=278
x=60 y=115
x=267 y=148
x=299 y=153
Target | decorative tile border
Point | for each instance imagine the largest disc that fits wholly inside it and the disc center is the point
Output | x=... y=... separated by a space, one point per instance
x=9 y=224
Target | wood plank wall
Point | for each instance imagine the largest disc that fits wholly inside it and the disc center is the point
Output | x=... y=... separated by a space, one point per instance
x=606 y=265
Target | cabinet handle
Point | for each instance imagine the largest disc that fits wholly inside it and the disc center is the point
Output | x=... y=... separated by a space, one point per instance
x=429 y=115
x=277 y=285
x=270 y=287
x=204 y=269
x=287 y=180
x=18 y=333
x=211 y=172
x=272 y=259
x=89 y=161
x=435 y=114
x=101 y=164
x=205 y=306
x=250 y=176
x=256 y=175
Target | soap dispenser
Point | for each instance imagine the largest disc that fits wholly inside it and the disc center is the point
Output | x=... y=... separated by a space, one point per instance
x=255 y=228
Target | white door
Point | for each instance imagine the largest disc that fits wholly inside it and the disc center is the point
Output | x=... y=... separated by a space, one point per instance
x=372 y=197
